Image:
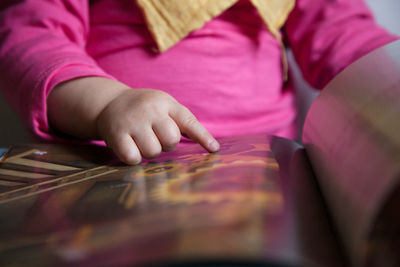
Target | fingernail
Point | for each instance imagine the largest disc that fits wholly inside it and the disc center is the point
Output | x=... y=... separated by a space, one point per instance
x=213 y=146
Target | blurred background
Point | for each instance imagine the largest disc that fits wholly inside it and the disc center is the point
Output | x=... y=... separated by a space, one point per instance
x=387 y=15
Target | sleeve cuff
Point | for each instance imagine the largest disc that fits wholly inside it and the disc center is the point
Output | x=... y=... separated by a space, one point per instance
x=38 y=111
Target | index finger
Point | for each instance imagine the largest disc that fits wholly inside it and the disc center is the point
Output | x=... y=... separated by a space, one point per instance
x=192 y=128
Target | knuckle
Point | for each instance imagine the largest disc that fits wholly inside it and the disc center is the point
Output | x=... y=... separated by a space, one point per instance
x=190 y=120
x=184 y=110
x=148 y=106
x=160 y=93
x=156 y=105
x=156 y=95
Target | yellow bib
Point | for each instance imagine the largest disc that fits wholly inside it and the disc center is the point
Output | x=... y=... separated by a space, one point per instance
x=169 y=21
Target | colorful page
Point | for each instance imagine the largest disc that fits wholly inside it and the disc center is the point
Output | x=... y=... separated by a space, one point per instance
x=79 y=205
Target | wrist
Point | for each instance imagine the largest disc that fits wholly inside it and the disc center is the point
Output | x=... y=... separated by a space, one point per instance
x=73 y=106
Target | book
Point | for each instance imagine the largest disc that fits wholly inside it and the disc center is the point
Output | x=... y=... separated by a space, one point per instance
x=333 y=200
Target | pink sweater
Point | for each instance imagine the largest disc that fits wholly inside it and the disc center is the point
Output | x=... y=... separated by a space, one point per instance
x=228 y=73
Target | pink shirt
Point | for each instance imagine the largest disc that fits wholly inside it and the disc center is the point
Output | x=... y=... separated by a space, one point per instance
x=228 y=73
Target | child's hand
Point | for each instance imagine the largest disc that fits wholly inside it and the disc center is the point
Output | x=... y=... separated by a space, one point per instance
x=144 y=122
x=135 y=123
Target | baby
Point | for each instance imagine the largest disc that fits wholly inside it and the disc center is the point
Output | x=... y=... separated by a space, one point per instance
x=92 y=70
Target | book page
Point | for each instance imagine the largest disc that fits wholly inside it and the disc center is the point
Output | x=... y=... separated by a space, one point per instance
x=242 y=205
x=352 y=135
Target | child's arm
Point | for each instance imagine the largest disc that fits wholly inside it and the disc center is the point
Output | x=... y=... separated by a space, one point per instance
x=43 y=49
x=132 y=122
x=42 y=44
x=328 y=35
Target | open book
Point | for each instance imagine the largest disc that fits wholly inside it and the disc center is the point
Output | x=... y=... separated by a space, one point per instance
x=334 y=201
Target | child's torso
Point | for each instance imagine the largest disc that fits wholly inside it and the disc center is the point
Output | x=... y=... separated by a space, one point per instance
x=228 y=73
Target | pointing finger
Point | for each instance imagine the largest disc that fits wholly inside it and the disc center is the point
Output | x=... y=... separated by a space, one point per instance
x=190 y=126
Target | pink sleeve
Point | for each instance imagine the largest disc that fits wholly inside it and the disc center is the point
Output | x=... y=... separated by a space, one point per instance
x=328 y=35
x=42 y=44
